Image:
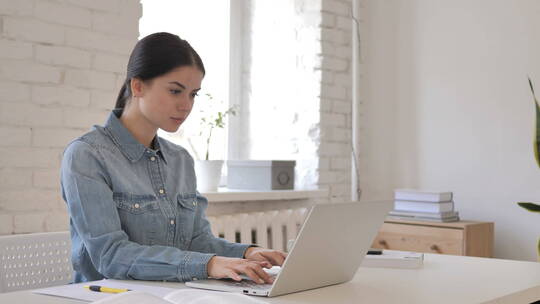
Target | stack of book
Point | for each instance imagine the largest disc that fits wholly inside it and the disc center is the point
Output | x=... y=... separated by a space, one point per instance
x=435 y=206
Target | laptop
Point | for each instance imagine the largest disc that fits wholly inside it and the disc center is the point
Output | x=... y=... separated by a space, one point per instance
x=328 y=250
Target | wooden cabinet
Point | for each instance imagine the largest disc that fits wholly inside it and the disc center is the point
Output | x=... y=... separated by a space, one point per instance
x=458 y=238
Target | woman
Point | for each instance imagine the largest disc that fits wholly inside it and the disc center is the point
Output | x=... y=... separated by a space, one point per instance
x=131 y=195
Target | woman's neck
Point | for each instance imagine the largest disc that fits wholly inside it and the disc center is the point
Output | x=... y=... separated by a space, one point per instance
x=139 y=127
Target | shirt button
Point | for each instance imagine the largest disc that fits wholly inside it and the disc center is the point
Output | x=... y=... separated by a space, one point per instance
x=152 y=158
x=136 y=206
x=161 y=191
x=172 y=222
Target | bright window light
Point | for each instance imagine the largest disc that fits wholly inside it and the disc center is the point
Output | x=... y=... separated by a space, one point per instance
x=205 y=25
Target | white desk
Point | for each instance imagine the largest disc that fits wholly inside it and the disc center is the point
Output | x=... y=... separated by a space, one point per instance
x=443 y=279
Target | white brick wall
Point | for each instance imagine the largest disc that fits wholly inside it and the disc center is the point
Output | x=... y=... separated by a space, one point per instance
x=63 y=14
x=29 y=72
x=60 y=65
x=31 y=29
x=110 y=63
x=11 y=49
x=14 y=91
x=66 y=56
x=11 y=177
x=60 y=96
x=90 y=79
x=11 y=136
x=89 y=39
x=99 y=5
x=336 y=54
x=17 y=8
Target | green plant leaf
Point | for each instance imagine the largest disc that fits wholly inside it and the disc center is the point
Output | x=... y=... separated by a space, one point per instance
x=536 y=144
x=530 y=206
x=212 y=118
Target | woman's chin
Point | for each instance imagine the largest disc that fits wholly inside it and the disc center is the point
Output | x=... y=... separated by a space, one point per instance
x=171 y=129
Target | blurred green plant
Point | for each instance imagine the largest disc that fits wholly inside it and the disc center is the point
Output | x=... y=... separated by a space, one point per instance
x=211 y=119
x=534 y=207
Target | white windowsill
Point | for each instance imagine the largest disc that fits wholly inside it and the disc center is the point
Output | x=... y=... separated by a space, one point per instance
x=230 y=195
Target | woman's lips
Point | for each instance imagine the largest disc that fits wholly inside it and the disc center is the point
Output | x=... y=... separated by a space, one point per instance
x=177 y=119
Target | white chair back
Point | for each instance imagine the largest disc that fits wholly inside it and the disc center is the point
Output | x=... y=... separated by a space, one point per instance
x=36 y=260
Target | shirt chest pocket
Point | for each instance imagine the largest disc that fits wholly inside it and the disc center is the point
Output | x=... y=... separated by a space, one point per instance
x=139 y=216
x=187 y=211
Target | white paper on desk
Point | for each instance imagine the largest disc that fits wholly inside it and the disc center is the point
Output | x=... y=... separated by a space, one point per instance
x=77 y=291
x=181 y=296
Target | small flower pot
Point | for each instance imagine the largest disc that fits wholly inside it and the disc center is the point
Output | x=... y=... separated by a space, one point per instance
x=208 y=174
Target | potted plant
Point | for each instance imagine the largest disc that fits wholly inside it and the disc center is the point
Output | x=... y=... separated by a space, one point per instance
x=207 y=170
x=535 y=207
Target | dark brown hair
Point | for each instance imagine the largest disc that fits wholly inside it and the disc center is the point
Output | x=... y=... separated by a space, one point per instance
x=155 y=55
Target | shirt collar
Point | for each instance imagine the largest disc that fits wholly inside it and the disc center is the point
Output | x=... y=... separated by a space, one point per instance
x=160 y=148
x=126 y=142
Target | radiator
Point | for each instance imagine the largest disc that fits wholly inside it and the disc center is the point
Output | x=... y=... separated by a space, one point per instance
x=268 y=229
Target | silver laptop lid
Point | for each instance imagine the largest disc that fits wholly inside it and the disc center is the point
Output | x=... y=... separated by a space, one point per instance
x=331 y=245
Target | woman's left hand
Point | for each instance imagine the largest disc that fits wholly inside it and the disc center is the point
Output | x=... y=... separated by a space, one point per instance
x=274 y=257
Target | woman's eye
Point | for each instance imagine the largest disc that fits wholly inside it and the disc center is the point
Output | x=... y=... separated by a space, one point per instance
x=194 y=95
x=175 y=92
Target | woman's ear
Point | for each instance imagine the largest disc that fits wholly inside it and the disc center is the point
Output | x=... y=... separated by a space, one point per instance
x=137 y=87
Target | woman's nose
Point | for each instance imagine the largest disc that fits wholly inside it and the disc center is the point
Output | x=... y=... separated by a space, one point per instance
x=184 y=104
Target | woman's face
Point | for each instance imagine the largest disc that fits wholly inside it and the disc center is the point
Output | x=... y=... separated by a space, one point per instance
x=166 y=101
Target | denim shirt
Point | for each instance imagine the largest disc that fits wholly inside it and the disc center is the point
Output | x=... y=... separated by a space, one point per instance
x=135 y=212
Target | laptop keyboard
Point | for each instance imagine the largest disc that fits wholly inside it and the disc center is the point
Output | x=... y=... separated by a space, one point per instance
x=248 y=283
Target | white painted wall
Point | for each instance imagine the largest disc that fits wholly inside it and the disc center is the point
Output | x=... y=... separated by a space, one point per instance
x=448 y=107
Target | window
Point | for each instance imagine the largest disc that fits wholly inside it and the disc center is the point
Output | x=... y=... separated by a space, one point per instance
x=263 y=57
x=205 y=25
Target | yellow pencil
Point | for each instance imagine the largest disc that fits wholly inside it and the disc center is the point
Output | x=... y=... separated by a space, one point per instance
x=105 y=289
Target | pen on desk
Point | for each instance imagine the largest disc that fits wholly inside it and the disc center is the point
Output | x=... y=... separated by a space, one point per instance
x=105 y=289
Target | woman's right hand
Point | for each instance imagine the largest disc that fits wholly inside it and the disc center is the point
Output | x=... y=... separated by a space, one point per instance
x=222 y=267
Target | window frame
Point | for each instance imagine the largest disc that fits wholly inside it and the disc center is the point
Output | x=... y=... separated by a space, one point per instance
x=236 y=66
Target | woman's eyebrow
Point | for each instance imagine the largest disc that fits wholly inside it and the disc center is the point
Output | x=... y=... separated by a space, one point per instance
x=182 y=86
x=178 y=84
